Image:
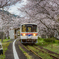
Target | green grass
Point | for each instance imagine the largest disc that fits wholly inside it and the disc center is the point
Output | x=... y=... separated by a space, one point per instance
x=25 y=53
x=41 y=42
x=41 y=54
x=47 y=52
x=5 y=40
x=53 y=47
x=49 y=43
x=5 y=44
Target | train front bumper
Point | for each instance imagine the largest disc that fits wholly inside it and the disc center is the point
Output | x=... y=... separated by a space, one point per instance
x=31 y=39
x=28 y=37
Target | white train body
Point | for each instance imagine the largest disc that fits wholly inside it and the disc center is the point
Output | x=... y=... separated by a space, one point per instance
x=28 y=33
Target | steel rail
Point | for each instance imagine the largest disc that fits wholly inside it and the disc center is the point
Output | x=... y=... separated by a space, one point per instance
x=54 y=57
x=34 y=53
x=47 y=50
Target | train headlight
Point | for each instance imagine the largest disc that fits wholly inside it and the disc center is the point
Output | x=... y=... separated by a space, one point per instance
x=24 y=34
x=34 y=34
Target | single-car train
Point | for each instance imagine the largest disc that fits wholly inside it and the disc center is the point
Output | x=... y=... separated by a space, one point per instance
x=28 y=33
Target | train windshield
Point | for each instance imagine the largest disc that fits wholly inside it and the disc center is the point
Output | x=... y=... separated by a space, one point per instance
x=29 y=28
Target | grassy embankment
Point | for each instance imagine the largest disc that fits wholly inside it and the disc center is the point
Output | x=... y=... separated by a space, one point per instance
x=49 y=43
x=41 y=54
x=5 y=44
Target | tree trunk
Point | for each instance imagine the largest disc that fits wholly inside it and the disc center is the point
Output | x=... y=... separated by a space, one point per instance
x=2 y=37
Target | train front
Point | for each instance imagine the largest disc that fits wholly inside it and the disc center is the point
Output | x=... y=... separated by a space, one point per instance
x=28 y=33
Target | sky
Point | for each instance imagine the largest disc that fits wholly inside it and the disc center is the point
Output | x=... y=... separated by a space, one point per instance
x=13 y=9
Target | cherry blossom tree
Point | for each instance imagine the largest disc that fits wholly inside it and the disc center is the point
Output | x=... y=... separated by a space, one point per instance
x=4 y=3
x=43 y=12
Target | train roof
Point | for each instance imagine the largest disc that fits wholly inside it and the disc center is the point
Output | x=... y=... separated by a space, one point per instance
x=29 y=23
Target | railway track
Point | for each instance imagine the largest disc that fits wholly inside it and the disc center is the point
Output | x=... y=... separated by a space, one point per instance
x=34 y=53
x=34 y=56
x=54 y=57
x=39 y=48
x=48 y=50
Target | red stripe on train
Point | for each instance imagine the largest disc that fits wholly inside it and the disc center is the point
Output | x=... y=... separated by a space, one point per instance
x=29 y=33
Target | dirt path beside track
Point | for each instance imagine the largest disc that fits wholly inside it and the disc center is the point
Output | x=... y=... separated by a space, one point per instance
x=9 y=52
x=29 y=52
x=20 y=53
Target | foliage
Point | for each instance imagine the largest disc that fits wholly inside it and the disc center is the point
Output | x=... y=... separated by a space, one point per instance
x=56 y=41
x=43 y=55
x=49 y=43
x=5 y=44
x=50 y=40
x=5 y=40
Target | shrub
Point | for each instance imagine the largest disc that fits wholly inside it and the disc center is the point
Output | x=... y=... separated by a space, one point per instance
x=56 y=41
x=40 y=38
x=50 y=40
